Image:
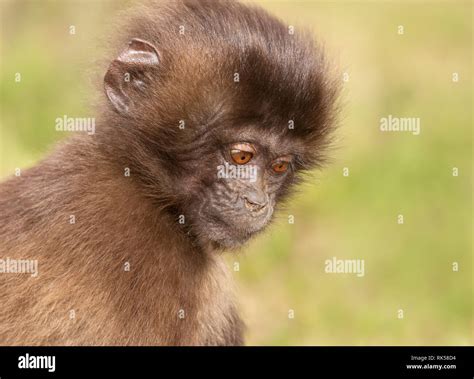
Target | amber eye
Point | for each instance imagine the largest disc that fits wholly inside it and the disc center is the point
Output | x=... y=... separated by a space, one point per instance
x=240 y=156
x=242 y=153
x=280 y=167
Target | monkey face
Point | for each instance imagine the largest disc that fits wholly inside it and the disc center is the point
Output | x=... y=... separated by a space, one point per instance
x=241 y=199
x=237 y=184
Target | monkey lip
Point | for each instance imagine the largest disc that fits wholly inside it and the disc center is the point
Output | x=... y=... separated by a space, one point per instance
x=250 y=222
x=255 y=221
x=235 y=225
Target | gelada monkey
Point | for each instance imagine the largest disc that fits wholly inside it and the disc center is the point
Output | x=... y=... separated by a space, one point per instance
x=212 y=111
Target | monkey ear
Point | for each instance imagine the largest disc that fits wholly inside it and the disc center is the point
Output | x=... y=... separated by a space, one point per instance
x=128 y=73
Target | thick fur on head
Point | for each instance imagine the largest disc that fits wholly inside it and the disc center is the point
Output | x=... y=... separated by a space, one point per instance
x=177 y=290
x=226 y=73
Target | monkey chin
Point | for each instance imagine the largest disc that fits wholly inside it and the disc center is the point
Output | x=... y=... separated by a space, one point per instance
x=230 y=243
x=229 y=238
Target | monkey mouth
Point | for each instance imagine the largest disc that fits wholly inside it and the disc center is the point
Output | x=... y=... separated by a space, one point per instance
x=251 y=218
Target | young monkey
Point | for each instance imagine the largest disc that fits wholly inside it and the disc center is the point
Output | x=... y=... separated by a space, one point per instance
x=128 y=224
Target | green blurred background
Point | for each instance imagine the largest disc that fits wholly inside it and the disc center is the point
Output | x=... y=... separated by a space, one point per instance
x=407 y=267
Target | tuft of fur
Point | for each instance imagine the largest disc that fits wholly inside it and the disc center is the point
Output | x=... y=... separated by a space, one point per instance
x=177 y=291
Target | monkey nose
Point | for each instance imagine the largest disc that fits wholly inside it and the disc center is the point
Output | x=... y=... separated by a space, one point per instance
x=255 y=201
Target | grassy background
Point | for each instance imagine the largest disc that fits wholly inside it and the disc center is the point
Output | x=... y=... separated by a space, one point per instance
x=407 y=266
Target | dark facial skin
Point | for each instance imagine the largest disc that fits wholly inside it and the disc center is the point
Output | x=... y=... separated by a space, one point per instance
x=233 y=209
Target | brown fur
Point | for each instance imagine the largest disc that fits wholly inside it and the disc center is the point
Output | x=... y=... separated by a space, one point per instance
x=81 y=266
x=133 y=219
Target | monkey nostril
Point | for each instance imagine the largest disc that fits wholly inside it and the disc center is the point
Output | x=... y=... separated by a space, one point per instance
x=253 y=205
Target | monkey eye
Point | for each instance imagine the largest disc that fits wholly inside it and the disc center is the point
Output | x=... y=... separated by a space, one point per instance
x=242 y=153
x=280 y=167
x=240 y=156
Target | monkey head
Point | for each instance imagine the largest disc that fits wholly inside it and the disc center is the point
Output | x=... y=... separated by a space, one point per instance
x=217 y=108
